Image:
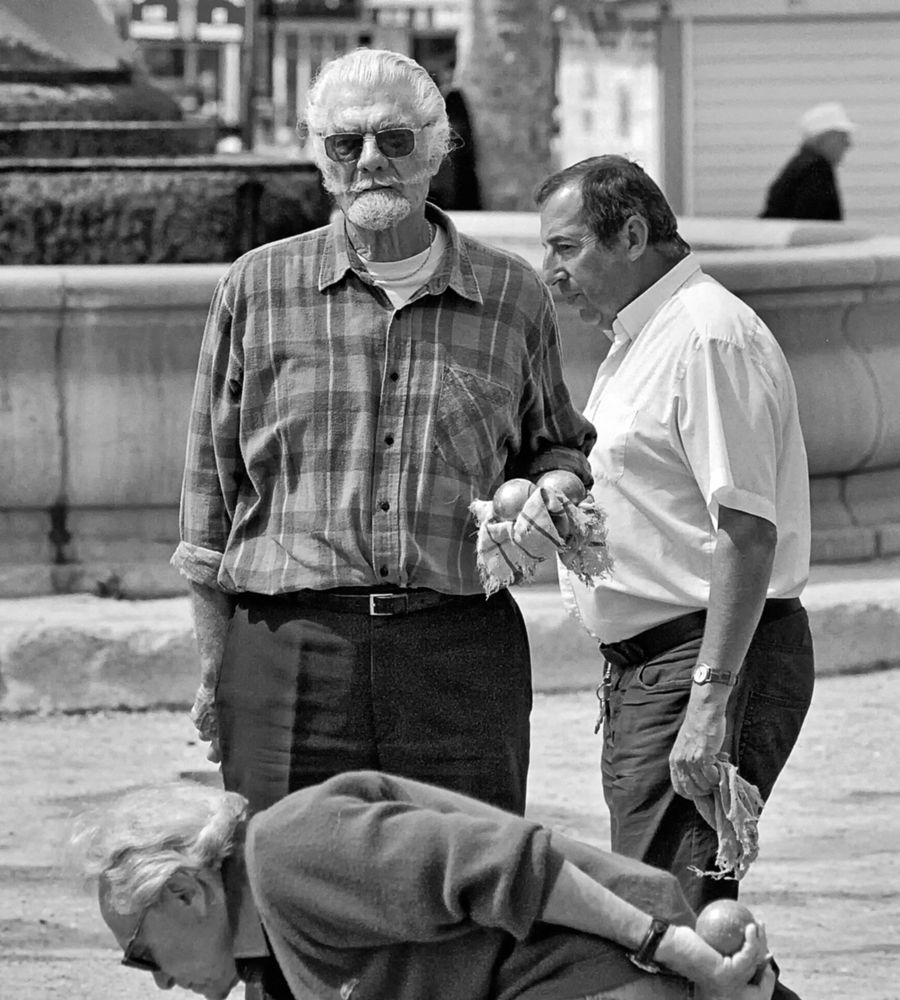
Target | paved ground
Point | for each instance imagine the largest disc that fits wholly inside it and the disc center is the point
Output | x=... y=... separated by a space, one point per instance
x=826 y=881
x=77 y=652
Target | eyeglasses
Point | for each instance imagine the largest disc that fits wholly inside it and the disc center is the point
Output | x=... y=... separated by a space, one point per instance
x=133 y=959
x=394 y=143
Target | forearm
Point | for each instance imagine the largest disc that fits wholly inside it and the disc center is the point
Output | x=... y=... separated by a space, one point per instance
x=577 y=901
x=555 y=435
x=212 y=611
x=742 y=567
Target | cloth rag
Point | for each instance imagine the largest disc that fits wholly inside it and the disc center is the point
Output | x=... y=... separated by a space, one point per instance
x=732 y=809
x=508 y=552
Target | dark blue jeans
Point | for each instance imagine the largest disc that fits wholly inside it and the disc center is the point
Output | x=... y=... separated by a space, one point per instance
x=647 y=703
x=442 y=695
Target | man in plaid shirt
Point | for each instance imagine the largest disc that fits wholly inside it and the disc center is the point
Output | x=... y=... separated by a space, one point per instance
x=358 y=387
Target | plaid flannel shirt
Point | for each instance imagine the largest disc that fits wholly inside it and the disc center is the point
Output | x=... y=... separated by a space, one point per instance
x=337 y=441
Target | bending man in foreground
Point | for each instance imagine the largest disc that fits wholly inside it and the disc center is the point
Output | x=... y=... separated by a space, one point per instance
x=371 y=886
x=701 y=469
x=359 y=386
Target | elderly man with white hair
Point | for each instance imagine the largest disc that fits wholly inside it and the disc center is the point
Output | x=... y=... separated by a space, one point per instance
x=358 y=387
x=370 y=887
x=806 y=188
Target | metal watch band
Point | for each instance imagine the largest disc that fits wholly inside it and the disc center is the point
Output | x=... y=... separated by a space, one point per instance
x=643 y=957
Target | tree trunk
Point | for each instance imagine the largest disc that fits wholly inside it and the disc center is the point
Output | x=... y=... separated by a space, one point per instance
x=505 y=69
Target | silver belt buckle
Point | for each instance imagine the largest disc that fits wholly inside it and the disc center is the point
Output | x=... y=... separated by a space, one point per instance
x=390 y=599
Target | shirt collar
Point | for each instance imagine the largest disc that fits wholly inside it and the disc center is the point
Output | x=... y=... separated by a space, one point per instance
x=638 y=313
x=248 y=938
x=455 y=270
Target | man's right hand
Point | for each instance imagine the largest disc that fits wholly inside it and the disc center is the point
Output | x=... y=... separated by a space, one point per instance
x=203 y=715
x=718 y=977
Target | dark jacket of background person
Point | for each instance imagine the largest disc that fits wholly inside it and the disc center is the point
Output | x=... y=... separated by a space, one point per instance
x=805 y=189
x=455 y=186
x=410 y=891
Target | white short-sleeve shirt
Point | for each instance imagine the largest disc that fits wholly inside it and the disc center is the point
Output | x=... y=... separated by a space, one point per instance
x=694 y=407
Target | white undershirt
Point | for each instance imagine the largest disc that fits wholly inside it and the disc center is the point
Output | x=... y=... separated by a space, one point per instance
x=401 y=279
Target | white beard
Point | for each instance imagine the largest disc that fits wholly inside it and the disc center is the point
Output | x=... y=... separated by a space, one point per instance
x=378 y=209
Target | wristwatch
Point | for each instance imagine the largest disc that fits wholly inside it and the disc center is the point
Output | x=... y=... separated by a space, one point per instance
x=704 y=674
x=643 y=957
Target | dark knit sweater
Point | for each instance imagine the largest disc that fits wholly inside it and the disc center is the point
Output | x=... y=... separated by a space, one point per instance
x=382 y=887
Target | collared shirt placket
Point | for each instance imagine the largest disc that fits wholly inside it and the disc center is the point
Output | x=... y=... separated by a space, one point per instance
x=390 y=435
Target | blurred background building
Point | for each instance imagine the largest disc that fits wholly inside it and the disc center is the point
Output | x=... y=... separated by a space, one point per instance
x=736 y=77
x=706 y=95
x=606 y=81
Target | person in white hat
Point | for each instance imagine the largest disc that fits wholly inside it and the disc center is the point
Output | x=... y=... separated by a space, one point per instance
x=807 y=187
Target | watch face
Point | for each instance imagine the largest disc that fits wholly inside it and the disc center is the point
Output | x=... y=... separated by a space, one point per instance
x=701 y=675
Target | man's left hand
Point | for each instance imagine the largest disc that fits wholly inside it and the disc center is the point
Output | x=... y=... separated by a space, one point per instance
x=692 y=762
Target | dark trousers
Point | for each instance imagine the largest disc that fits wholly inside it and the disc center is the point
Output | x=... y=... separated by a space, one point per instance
x=442 y=695
x=647 y=704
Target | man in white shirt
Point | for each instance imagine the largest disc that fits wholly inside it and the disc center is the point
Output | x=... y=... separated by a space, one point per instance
x=701 y=469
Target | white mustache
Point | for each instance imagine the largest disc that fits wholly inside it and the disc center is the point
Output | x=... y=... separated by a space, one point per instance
x=369 y=184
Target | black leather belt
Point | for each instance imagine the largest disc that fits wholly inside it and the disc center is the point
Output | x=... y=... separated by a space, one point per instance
x=646 y=645
x=375 y=602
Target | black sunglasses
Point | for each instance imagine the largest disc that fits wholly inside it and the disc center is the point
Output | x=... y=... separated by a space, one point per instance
x=394 y=143
x=133 y=959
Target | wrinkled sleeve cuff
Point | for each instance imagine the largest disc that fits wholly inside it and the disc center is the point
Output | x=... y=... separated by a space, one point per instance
x=569 y=459
x=744 y=500
x=197 y=564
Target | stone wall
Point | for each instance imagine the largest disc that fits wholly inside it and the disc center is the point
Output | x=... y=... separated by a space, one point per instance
x=96 y=371
x=97 y=365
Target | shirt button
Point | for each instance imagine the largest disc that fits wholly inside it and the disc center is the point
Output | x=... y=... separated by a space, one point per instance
x=389 y=439
x=384 y=571
x=385 y=505
x=395 y=376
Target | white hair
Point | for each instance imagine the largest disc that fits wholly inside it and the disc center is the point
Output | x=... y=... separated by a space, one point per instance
x=137 y=843
x=393 y=72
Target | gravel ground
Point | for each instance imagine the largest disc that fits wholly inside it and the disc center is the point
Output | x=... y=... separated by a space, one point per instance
x=826 y=881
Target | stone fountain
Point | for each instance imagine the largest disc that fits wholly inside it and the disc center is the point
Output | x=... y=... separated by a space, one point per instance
x=98 y=166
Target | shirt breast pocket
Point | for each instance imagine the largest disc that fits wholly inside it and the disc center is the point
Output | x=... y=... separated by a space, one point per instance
x=472 y=423
x=614 y=421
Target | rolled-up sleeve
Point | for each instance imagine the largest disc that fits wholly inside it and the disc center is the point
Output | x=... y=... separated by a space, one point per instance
x=554 y=434
x=213 y=466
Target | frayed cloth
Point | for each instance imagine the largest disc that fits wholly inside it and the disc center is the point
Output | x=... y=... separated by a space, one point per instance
x=732 y=810
x=509 y=552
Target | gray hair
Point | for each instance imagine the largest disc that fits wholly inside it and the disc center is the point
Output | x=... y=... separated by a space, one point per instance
x=137 y=843
x=372 y=68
